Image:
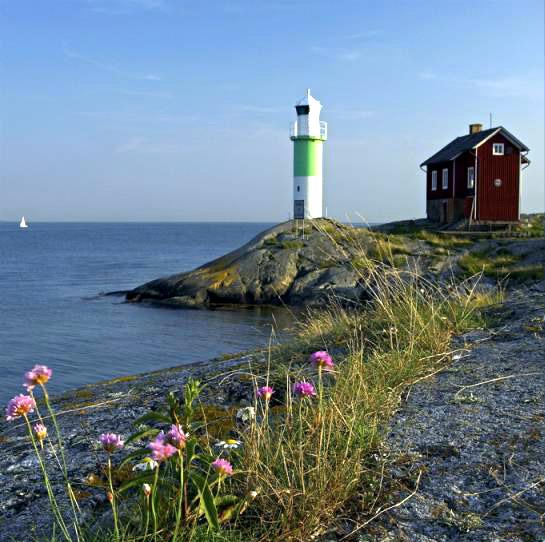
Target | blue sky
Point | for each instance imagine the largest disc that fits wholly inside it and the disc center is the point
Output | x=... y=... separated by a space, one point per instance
x=175 y=110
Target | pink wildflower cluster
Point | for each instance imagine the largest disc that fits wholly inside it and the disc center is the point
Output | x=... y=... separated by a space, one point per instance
x=40 y=374
x=40 y=430
x=265 y=392
x=304 y=389
x=176 y=436
x=322 y=360
x=20 y=405
x=160 y=448
x=222 y=467
x=111 y=442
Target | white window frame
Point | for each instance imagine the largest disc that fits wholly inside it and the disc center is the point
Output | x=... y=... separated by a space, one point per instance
x=444 y=179
x=498 y=149
x=434 y=180
x=471 y=177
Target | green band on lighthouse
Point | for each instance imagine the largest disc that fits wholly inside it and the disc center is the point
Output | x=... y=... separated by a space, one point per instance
x=307 y=158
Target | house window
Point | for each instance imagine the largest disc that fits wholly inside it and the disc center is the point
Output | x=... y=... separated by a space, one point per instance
x=497 y=149
x=471 y=177
x=445 y=179
x=434 y=180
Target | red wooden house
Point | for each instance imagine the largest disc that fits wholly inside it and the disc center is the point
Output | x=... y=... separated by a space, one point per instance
x=477 y=177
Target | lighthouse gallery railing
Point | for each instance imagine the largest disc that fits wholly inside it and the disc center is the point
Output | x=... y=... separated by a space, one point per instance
x=323 y=129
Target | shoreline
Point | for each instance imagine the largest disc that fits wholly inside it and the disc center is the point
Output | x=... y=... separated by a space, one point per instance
x=114 y=404
x=86 y=411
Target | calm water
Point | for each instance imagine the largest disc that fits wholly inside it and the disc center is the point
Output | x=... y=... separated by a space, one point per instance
x=51 y=312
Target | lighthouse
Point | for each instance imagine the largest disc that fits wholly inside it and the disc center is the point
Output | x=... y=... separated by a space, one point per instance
x=308 y=134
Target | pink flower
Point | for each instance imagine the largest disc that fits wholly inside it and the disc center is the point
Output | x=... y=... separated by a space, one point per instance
x=20 y=405
x=222 y=467
x=176 y=436
x=304 y=389
x=322 y=360
x=265 y=392
x=39 y=374
x=161 y=450
x=40 y=430
x=111 y=442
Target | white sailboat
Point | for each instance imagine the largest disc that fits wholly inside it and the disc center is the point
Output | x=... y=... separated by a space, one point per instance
x=23 y=223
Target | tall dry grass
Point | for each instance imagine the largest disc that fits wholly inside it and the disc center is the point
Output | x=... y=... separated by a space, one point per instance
x=309 y=458
x=304 y=461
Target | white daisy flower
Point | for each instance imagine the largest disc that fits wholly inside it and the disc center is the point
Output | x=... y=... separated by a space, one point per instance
x=147 y=464
x=246 y=414
x=229 y=444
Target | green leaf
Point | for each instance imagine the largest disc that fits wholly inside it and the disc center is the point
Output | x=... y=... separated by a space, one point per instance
x=152 y=417
x=206 y=501
x=229 y=506
x=226 y=500
x=141 y=434
x=137 y=454
x=138 y=480
x=190 y=446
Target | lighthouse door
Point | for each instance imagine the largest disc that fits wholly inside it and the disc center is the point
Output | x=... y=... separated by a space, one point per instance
x=299 y=208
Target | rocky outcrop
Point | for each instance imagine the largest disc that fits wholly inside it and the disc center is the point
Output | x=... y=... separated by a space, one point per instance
x=278 y=266
x=283 y=266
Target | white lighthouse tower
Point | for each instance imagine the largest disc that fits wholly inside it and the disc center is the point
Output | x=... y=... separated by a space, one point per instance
x=308 y=134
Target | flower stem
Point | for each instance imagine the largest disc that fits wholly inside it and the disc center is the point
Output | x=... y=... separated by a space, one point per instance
x=181 y=495
x=153 y=497
x=114 y=505
x=147 y=519
x=47 y=483
x=62 y=463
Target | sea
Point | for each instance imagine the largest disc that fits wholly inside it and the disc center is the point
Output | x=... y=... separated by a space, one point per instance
x=53 y=310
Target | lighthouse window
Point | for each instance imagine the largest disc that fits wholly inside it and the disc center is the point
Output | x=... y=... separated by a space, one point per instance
x=298 y=188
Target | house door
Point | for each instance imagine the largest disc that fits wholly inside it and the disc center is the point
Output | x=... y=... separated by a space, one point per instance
x=444 y=212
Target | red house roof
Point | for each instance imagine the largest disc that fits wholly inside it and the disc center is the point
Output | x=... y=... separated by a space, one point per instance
x=469 y=142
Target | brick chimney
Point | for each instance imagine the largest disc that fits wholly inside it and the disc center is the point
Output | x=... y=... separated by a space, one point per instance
x=474 y=128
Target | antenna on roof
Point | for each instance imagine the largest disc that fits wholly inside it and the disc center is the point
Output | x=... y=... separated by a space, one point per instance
x=490 y=120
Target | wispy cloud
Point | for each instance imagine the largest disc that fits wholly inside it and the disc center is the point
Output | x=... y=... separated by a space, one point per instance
x=124 y=7
x=125 y=117
x=147 y=94
x=340 y=54
x=72 y=54
x=493 y=87
x=509 y=87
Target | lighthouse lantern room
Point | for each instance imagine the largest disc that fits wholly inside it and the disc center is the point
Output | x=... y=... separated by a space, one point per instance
x=308 y=134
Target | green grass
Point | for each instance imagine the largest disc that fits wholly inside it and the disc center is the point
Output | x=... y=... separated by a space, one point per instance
x=500 y=265
x=308 y=465
x=531 y=225
x=291 y=244
x=286 y=244
x=444 y=241
x=527 y=273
